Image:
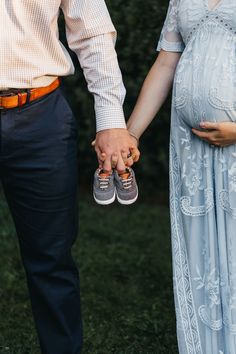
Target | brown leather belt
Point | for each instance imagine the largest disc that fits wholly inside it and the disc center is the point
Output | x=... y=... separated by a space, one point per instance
x=17 y=98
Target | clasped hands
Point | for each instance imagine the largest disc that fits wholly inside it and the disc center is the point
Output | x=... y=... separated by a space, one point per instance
x=116 y=148
x=220 y=134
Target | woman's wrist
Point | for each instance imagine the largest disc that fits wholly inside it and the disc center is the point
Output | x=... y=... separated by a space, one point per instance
x=133 y=135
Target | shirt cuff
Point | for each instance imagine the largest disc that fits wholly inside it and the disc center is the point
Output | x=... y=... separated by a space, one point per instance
x=110 y=118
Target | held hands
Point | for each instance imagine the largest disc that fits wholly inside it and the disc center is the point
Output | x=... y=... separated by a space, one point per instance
x=115 y=148
x=218 y=134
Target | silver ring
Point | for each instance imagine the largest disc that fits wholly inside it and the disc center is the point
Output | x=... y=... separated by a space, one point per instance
x=129 y=155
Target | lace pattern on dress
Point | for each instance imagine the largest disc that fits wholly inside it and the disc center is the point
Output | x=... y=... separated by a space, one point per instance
x=170 y=39
x=185 y=309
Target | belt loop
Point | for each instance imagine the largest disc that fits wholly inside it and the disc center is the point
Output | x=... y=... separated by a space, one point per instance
x=20 y=99
x=28 y=96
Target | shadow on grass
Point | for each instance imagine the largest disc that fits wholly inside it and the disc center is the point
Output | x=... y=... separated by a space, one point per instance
x=126 y=282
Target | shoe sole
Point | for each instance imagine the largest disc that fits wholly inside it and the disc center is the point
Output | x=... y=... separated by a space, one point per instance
x=105 y=202
x=127 y=202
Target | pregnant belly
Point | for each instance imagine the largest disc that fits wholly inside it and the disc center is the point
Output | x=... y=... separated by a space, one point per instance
x=203 y=91
x=207 y=107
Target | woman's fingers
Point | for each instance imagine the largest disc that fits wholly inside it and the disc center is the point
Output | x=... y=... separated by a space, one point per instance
x=121 y=164
x=114 y=160
x=200 y=133
x=219 y=134
x=125 y=155
x=135 y=154
x=209 y=137
x=210 y=125
x=130 y=162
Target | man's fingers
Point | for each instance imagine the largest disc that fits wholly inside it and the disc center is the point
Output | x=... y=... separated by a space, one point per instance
x=100 y=163
x=107 y=164
x=97 y=150
x=101 y=156
x=210 y=125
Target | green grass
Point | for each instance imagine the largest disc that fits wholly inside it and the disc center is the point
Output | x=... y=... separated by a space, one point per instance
x=126 y=282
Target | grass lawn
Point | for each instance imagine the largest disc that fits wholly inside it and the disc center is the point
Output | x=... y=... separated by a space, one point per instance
x=126 y=282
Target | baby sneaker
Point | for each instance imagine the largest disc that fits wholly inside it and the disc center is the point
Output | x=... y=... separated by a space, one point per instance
x=104 y=191
x=126 y=186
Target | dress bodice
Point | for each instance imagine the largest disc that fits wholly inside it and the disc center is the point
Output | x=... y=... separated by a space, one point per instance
x=205 y=80
x=185 y=17
x=192 y=14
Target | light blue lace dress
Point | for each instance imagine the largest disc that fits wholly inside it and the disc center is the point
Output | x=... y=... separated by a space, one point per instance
x=203 y=178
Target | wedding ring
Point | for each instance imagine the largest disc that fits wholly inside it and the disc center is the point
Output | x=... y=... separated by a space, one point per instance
x=131 y=155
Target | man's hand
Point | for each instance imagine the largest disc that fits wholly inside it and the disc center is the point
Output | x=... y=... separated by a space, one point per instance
x=115 y=149
x=219 y=134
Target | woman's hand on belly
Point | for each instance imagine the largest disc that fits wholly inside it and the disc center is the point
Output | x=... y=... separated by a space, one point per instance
x=219 y=134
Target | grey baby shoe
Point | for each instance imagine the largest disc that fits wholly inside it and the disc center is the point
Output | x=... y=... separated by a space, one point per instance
x=126 y=187
x=104 y=191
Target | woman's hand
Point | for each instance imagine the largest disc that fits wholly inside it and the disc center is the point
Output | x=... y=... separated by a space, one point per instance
x=218 y=134
x=135 y=153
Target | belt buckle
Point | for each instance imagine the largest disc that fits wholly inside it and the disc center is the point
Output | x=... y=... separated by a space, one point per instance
x=7 y=94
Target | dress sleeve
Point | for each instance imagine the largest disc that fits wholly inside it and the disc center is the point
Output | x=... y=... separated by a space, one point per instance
x=170 y=39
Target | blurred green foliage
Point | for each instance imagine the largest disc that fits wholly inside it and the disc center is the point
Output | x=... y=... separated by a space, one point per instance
x=138 y=24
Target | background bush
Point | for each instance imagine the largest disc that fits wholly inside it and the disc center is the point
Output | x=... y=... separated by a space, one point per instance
x=138 y=24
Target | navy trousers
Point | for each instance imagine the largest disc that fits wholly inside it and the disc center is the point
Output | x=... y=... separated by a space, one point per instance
x=39 y=174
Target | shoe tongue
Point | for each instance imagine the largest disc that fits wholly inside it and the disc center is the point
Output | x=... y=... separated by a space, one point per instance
x=124 y=175
x=104 y=174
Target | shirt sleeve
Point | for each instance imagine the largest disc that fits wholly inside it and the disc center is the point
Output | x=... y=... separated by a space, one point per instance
x=170 y=39
x=92 y=36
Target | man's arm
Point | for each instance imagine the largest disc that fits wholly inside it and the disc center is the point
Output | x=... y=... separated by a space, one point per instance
x=91 y=35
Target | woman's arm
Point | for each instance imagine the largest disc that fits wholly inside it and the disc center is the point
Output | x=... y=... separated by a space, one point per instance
x=154 y=92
